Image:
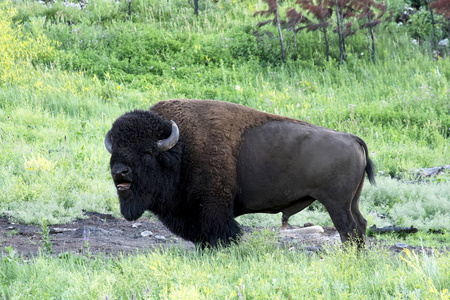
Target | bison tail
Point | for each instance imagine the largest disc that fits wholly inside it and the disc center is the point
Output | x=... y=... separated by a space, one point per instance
x=370 y=170
x=370 y=166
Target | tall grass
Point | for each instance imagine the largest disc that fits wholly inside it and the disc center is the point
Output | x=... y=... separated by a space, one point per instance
x=53 y=116
x=66 y=74
x=257 y=269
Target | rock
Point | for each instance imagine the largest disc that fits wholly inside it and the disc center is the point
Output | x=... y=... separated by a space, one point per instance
x=403 y=230
x=90 y=231
x=97 y=214
x=136 y=225
x=429 y=171
x=146 y=233
x=401 y=245
x=373 y=214
x=55 y=230
x=160 y=237
x=444 y=43
x=301 y=231
x=312 y=249
x=384 y=216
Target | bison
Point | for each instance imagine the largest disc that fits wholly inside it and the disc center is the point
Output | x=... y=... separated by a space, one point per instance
x=198 y=164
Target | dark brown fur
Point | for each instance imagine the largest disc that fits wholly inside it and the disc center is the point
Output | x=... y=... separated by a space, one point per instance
x=212 y=132
x=201 y=202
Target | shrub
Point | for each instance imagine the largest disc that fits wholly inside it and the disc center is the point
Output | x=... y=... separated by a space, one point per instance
x=17 y=46
x=420 y=26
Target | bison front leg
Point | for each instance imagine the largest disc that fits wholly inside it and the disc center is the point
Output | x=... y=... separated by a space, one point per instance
x=218 y=226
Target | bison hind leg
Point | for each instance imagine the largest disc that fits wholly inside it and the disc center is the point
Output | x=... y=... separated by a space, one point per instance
x=285 y=222
x=296 y=207
x=360 y=220
x=339 y=209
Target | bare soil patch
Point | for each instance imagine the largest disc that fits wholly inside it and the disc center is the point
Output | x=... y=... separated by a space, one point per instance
x=110 y=236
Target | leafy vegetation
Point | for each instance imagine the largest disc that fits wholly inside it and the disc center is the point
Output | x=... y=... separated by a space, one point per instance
x=66 y=73
x=256 y=269
x=74 y=71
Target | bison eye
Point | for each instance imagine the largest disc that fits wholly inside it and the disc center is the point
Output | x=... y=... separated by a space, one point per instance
x=148 y=154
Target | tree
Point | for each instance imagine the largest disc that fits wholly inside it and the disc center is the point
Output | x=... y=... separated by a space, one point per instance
x=273 y=10
x=322 y=12
x=294 y=19
x=433 y=24
x=196 y=7
x=129 y=9
x=441 y=7
x=345 y=9
x=367 y=10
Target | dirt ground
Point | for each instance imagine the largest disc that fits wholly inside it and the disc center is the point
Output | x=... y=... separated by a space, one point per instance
x=103 y=233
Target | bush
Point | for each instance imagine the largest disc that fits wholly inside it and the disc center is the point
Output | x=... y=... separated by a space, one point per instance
x=420 y=26
x=17 y=47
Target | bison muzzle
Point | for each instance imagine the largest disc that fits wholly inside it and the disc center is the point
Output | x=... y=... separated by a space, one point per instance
x=198 y=164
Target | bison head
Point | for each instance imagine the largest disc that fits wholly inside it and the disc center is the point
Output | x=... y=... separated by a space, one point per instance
x=145 y=161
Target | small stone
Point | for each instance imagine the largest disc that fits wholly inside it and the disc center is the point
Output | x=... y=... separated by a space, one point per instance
x=294 y=233
x=136 y=225
x=313 y=249
x=444 y=43
x=146 y=233
x=60 y=230
x=309 y=230
x=11 y=227
x=160 y=237
x=401 y=245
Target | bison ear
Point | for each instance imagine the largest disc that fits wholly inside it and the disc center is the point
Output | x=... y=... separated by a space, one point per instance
x=108 y=142
x=171 y=141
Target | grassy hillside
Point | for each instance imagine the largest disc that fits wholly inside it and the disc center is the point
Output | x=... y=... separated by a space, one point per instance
x=66 y=73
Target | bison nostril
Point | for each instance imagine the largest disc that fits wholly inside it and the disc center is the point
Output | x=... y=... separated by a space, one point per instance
x=124 y=171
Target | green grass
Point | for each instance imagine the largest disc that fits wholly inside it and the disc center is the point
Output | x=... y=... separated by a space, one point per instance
x=53 y=116
x=61 y=118
x=66 y=74
x=256 y=269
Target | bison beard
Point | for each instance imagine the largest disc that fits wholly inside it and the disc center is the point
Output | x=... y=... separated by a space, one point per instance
x=219 y=160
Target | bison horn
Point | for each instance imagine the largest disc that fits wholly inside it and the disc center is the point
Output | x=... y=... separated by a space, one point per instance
x=172 y=140
x=108 y=142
